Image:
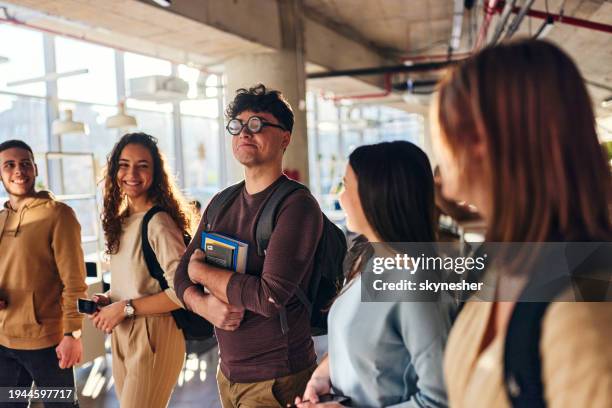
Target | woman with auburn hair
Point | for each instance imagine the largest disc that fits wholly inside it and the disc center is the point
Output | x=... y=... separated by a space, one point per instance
x=147 y=346
x=514 y=132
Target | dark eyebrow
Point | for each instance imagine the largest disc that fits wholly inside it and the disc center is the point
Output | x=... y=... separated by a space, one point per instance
x=138 y=162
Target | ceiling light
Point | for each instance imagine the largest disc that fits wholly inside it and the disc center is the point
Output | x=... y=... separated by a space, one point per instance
x=3 y=59
x=121 y=119
x=67 y=125
x=607 y=103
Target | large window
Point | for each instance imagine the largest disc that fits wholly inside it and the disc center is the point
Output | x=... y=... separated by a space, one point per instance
x=24 y=118
x=201 y=157
x=23 y=58
x=153 y=117
x=99 y=84
x=335 y=130
x=160 y=125
x=99 y=140
x=137 y=66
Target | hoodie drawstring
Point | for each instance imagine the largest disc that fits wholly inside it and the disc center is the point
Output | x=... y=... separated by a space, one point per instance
x=21 y=215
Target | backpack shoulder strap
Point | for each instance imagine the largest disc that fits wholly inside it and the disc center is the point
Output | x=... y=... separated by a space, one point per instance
x=155 y=269
x=220 y=203
x=267 y=218
x=522 y=362
x=522 y=359
x=263 y=231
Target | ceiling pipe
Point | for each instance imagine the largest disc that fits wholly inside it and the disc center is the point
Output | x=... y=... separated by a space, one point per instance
x=386 y=71
x=505 y=15
x=385 y=93
x=489 y=9
x=409 y=59
x=455 y=39
x=392 y=69
x=577 y=22
x=413 y=84
x=516 y=23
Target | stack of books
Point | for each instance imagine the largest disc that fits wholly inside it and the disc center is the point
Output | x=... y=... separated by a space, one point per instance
x=225 y=252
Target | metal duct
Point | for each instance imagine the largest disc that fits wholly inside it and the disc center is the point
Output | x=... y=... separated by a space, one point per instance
x=503 y=21
x=516 y=23
x=456 y=30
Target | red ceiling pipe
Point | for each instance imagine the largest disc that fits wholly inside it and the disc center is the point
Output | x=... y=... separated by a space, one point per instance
x=578 y=22
x=490 y=8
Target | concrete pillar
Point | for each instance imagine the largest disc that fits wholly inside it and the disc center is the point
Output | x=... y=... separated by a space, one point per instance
x=282 y=70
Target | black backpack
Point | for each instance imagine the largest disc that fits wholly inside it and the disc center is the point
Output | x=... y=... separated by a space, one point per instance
x=194 y=327
x=522 y=358
x=327 y=275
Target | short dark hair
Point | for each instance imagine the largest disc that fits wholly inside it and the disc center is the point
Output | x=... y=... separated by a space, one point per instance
x=259 y=99
x=9 y=144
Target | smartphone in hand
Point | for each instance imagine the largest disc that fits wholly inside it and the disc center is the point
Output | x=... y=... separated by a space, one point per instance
x=86 y=306
x=340 y=399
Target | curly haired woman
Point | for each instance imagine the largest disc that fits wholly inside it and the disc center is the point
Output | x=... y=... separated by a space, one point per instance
x=147 y=346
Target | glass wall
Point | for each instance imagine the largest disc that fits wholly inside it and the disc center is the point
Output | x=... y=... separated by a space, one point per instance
x=99 y=78
x=336 y=129
x=24 y=53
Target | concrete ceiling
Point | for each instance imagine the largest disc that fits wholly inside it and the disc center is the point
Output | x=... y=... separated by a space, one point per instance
x=339 y=34
x=397 y=27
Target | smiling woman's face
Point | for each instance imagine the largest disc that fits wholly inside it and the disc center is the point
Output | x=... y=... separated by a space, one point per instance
x=135 y=174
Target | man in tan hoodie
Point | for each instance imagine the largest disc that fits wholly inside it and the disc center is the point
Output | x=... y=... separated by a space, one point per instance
x=42 y=274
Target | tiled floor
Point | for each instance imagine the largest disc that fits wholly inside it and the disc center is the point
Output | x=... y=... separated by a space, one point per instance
x=196 y=387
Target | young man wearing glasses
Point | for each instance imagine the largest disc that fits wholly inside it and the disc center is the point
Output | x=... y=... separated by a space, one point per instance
x=261 y=365
x=42 y=274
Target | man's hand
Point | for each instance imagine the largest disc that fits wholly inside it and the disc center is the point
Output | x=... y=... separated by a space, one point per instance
x=220 y=314
x=109 y=316
x=69 y=352
x=3 y=304
x=196 y=265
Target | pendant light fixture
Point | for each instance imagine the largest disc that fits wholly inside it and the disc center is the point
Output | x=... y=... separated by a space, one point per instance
x=67 y=125
x=121 y=119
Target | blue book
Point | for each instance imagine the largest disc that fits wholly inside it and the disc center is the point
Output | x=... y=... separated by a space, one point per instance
x=225 y=252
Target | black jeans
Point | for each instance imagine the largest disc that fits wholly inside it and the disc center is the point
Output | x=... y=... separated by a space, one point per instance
x=19 y=368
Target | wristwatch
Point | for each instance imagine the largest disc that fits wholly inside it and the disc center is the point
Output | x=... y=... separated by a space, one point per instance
x=75 y=334
x=129 y=309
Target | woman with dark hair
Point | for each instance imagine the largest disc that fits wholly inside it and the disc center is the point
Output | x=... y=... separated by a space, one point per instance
x=385 y=353
x=514 y=132
x=148 y=348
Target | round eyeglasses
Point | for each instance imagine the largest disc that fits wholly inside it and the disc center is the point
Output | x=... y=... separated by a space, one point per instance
x=254 y=125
